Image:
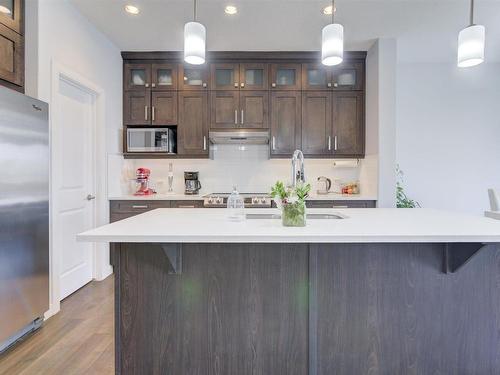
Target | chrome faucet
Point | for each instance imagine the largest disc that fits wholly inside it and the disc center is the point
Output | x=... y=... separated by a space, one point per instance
x=298 y=175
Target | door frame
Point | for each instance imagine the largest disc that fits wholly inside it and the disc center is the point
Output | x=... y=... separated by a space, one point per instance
x=100 y=268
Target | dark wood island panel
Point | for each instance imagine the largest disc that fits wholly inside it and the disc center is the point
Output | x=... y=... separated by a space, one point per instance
x=313 y=309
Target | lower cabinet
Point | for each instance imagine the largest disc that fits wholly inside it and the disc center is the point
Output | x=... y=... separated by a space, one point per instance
x=341 y=204
x=192 y=131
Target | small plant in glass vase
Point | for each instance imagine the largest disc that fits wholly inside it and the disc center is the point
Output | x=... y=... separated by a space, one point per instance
x=292 y=203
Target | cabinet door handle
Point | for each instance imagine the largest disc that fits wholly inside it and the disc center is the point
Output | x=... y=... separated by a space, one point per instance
x=153 y=85
x=273 y=145
x=273 y=84
x=186 y=206
x=242 y=84
x=153 y=113
x=334 y=206
x=329 y=143
x=146 y=112
x=242 y=116
x=335 y=84
x=147 y=85
x=236 y=84
x=139 y=206
x=335 y=143
x=204 y=143
x=204 y=84
x=329 y=84
x=236 y=117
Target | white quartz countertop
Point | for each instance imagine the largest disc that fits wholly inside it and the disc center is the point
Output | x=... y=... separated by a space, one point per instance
x=179 y=197
x=361 y=225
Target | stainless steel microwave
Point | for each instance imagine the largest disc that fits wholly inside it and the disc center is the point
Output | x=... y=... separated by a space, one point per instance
x=151 y=140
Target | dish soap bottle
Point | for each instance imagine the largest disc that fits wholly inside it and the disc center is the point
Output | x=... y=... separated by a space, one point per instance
x=235 y=205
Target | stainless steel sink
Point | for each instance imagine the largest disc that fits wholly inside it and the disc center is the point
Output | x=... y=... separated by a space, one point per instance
x=308 y=216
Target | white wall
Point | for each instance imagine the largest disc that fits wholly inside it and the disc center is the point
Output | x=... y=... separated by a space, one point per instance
x=250 y=170
x=448 y=133
x=57 y=33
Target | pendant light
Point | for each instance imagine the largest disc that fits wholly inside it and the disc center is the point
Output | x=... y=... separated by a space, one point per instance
x=195 y=36
x=471 y=43
x=332 y=46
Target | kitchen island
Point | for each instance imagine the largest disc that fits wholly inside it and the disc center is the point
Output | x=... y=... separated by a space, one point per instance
x=382 y=291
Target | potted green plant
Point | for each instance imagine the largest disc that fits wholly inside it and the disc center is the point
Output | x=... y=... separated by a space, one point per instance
x=292 y=202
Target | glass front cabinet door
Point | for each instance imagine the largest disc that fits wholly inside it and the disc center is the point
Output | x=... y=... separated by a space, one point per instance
x=224 y=76
x=193 y=77
x=286 y=76
x=348 y=76
x=137 y=76
x=164 y=77
x=254 y=76
x=11 y=14
x=316 y=77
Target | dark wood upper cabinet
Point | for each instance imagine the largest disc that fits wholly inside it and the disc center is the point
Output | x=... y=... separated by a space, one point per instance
x=285 y=122
x=164 y=77
x=12 y=15
x=317 y=123
x=316 y=77
x=192 y=130
x=164 y=108
x=224 y=76
x=254 y=76
x=224 y=109
x=349 y=76
x=12 y=44
x=137 y=107
x=137 y=76
x=348 y=124
x=254 y=109
x=11 y=58
x=286 y=76
x=193 y=77
x=304 y=104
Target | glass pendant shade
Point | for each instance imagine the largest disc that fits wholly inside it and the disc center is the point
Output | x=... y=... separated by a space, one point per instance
x=471 y=46
x=195 y=36
x=332 y=46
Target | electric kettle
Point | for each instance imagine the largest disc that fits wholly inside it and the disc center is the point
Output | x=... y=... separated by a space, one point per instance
x=324 y=184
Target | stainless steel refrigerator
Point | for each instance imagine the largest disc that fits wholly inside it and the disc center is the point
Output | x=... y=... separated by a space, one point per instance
x=24 y=214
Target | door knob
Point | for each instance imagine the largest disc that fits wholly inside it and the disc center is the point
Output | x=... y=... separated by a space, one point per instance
x=90 y=197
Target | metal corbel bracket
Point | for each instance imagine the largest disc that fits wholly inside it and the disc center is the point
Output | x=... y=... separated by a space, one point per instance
x=173 y=252
x=457 y=255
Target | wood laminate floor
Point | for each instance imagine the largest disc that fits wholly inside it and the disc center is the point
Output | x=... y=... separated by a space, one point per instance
x=77 y=340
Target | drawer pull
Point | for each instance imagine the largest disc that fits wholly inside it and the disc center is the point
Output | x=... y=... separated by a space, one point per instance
x=334 y=206
x=139 y=206
x=186 y=206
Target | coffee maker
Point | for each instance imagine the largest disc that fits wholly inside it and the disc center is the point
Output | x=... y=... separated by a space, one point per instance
x=191 y=182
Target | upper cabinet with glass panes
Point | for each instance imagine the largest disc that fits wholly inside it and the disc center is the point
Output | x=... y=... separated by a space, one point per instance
x=348 y=76
x=11 y=14
x=286 y=76
x=193 y=77
x=158 y=77
x=244 y=76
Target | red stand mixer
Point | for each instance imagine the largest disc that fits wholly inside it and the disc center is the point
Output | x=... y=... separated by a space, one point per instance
x=142 y=178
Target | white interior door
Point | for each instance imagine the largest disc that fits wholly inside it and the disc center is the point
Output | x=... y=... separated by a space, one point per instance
x=74 y=171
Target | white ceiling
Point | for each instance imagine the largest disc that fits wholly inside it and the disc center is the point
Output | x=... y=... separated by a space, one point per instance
x=426 y=30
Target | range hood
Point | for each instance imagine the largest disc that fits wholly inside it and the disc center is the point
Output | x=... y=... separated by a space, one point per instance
x=237 y=136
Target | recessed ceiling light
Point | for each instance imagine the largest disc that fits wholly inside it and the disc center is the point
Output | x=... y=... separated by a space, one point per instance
x=132 y=9
x=328 y=10
x=4 y=9
x=230 y=9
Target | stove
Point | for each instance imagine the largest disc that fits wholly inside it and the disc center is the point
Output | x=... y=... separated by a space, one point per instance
x=252 y=200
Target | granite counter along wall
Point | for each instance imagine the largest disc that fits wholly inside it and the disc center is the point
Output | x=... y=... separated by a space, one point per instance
x=249 y=169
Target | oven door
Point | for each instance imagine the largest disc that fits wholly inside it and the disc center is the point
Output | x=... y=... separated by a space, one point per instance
x=149 y=140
